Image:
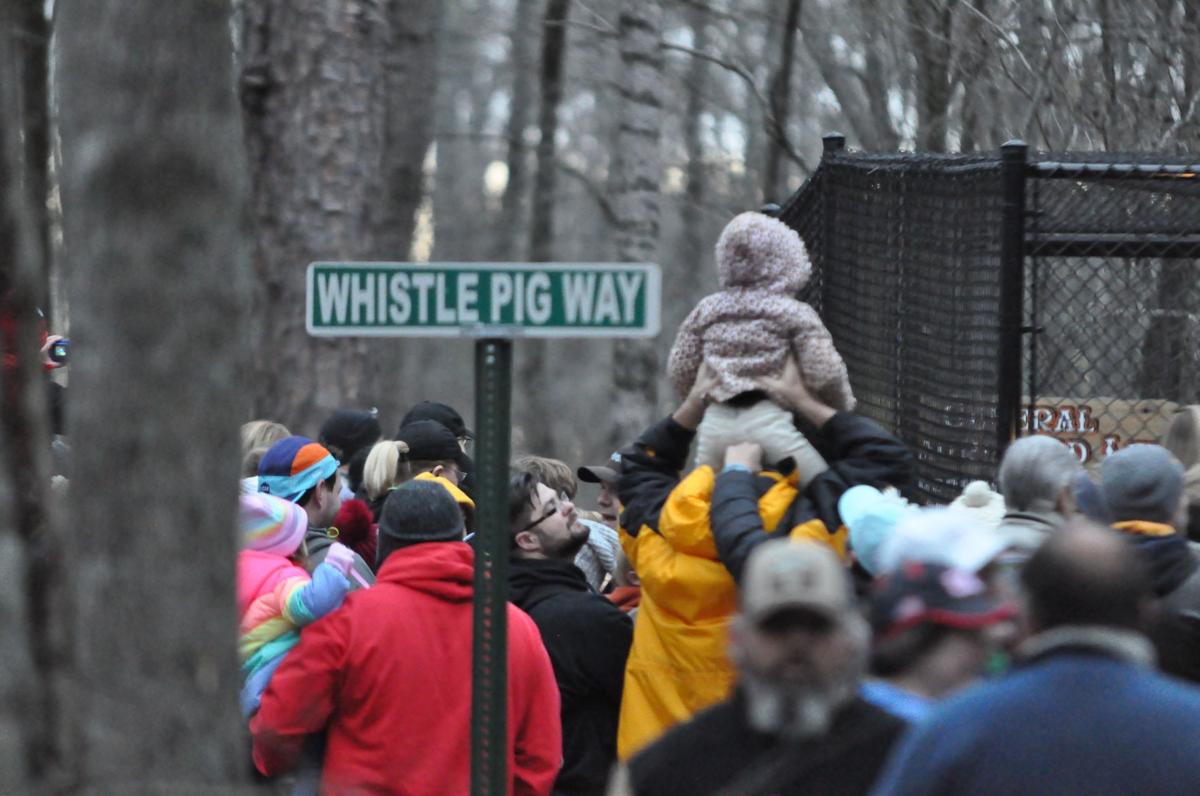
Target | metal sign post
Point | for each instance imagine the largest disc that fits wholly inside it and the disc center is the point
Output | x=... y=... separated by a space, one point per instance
x=489 y=654
x=493 y=302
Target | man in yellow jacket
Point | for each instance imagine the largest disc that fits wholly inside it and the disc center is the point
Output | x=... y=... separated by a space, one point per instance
x=689 y=538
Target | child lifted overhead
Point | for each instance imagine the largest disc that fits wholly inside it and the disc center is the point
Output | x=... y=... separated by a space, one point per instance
x=746 y=333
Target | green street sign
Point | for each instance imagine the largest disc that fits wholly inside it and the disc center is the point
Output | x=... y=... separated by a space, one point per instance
x=483 y=299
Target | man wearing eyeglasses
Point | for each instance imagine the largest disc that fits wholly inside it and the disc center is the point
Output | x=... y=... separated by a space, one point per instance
x=586 y=636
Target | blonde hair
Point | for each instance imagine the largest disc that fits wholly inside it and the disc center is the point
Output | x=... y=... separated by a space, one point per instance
x=554 y=473
x=262 y=434
x=250 y=461
x=386 y=466
x=1183 y=436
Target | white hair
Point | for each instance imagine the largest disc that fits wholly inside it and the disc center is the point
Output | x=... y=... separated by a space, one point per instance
x=1034 y=473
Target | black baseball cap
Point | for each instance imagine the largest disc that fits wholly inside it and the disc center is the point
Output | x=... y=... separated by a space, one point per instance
x=918 y=593
x=347 y=431
x=441 y=413
x=430 y=441
x=607 y=473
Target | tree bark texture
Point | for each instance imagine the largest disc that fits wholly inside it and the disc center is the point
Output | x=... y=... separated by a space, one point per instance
x=931 y=27
x=533 y=357
x=779 y=94
x=317 y=116
x=636 y=202
x=22 y=726
x=153 y=192
x=34 y=43
x=511 y=237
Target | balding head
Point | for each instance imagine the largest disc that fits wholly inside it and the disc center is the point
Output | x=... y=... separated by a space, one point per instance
x=1085 y=575
x=1034 y=473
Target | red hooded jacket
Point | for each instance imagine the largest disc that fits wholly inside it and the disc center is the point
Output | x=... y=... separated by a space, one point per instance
x=389 y=674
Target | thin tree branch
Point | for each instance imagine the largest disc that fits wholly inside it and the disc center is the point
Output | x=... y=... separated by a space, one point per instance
x=775 y=128
x=606 y=208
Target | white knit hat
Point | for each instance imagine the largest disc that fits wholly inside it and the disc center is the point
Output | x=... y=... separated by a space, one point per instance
x=984 y=503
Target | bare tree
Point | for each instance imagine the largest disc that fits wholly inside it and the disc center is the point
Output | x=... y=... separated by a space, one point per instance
x=23 y=726
x=638 y=172
x=33 y=40
x=779 y=94
x=315 y=96
x=510 y=234
x=153 y=187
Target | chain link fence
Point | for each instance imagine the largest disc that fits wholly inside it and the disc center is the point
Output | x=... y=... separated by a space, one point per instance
x=979 y=297
x=1112 y=297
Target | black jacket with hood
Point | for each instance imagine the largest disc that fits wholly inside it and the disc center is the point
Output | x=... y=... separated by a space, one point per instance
x=1175 y=627
x=588 y=640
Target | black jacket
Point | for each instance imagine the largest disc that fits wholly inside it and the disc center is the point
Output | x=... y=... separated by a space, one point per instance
x=858 y=451
x=718 y=752
x=588 y=640
x=1175 y=627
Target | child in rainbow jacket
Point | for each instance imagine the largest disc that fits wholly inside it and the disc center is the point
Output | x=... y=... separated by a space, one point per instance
x=276 y=596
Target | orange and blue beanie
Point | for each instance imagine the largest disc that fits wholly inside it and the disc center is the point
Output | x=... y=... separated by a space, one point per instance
x=270 y=524
x=293 y=466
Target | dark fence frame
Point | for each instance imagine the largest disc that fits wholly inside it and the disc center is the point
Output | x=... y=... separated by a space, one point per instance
x=996 y=224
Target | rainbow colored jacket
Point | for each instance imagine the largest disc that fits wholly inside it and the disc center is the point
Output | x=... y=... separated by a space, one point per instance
x=275 y=599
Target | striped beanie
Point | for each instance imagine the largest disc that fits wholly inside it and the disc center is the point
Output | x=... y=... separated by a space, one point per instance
x=270 y=524
x=293 y=466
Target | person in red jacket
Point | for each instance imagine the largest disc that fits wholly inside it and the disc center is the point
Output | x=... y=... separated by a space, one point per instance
x=388 y=676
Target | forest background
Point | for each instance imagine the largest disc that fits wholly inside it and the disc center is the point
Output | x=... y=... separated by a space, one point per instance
x=170 y=169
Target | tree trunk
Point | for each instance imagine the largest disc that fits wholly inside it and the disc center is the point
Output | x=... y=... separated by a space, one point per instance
x=931 y=43
x=153 y=192
x=315 y=96
x=513 y=217
x=23 y=725
x=694 y=267
x=410 y=61
x=35 y=125
x=638 y=175
x=554 y=51
x=411 y=77
x=780 y=97
x=532 y=372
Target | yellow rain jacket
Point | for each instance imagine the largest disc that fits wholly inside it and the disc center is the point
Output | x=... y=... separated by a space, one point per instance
x=678 y=663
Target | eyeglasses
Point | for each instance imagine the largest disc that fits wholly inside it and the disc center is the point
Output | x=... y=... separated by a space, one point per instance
x=555 y=508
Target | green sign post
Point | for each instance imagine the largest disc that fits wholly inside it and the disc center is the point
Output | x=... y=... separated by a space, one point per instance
x=493 y=302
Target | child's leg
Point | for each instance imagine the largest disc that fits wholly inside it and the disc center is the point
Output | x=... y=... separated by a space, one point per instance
x=772 y=427
x=717 y=431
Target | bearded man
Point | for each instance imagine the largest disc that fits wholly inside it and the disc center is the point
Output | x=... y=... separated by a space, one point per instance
x=795 y=722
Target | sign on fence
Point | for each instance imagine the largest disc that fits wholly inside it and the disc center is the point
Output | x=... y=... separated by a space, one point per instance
x=529 y=299
x=1097 y=427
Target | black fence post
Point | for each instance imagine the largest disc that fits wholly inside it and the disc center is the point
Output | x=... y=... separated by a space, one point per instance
x=489 y=668
x=831 y=144
x=1012 y=292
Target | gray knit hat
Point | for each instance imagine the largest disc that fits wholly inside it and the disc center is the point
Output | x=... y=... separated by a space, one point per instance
x=421 y=511
x=1142 y=482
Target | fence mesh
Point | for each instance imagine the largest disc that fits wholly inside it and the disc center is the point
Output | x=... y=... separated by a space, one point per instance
x=1112 y=277
x=907 y=276
x=907 y=249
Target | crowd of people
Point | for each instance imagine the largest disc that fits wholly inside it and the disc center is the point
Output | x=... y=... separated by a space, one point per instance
x=751 y=606
x=721 y=630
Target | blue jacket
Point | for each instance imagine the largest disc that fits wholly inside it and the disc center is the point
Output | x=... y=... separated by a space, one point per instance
x=1075 y=719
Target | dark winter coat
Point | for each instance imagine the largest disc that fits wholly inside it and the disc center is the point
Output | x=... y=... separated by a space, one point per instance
x=1084 y=715
x=588 y=640
x=719 y=752
x=1175 y=571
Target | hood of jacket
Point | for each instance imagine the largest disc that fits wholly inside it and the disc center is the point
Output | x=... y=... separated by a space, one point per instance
x=1170 y=558
x=759 y=252
x=445 y=570
x=532 y=581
